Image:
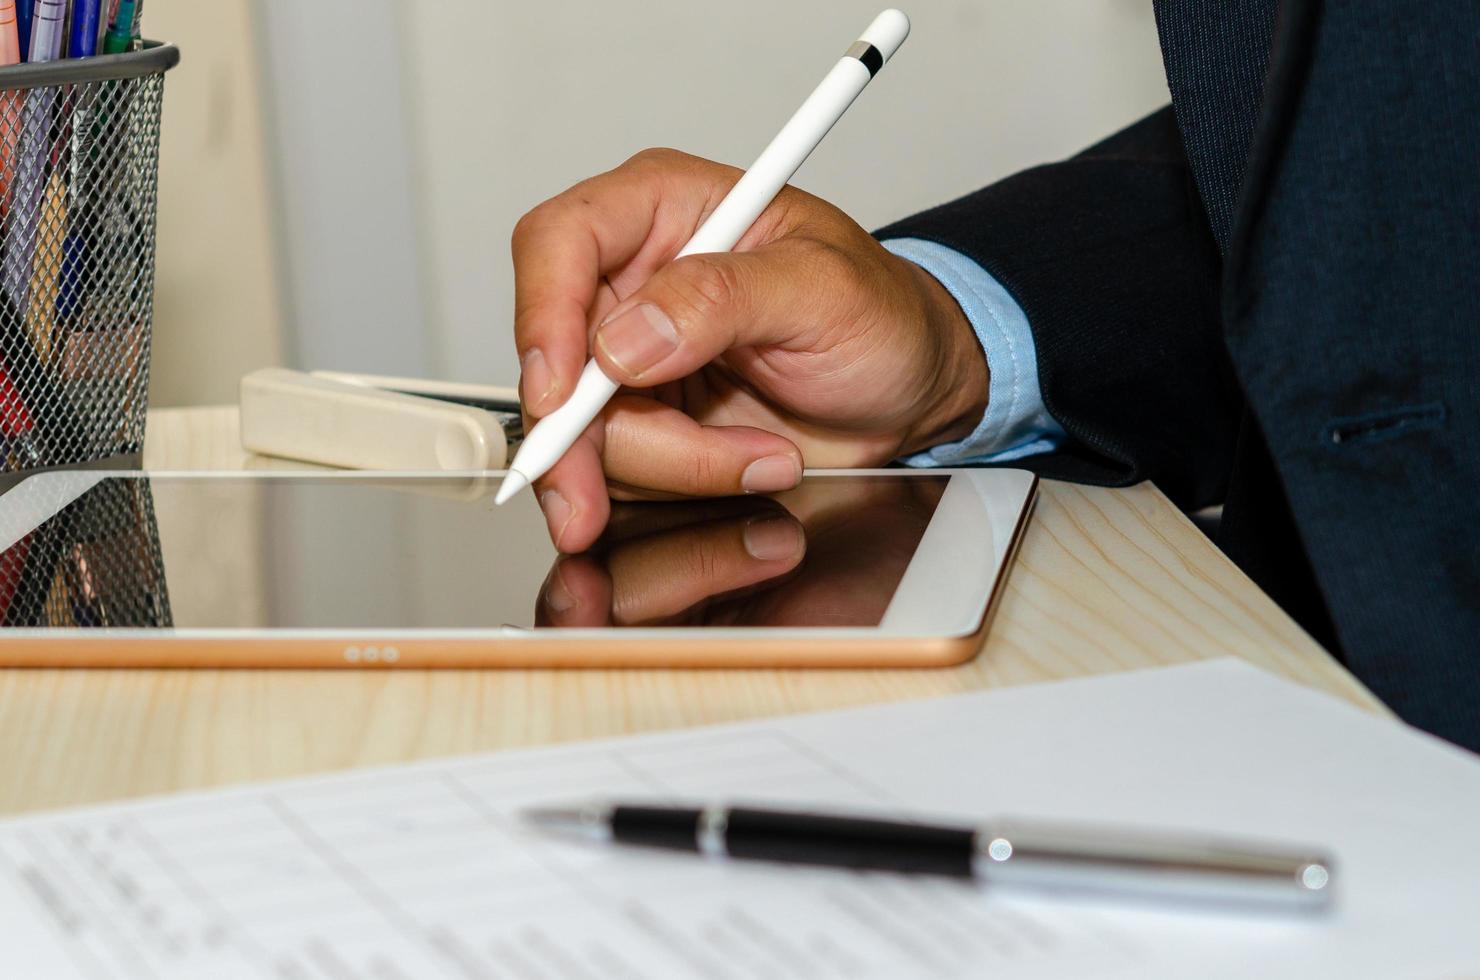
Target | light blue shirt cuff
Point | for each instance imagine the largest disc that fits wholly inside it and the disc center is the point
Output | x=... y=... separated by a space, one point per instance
x=1016 y=423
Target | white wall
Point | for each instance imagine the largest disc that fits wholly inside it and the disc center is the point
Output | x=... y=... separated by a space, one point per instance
x=347 y=225
x=405 y=138
x=509 y=103
x=216 y=302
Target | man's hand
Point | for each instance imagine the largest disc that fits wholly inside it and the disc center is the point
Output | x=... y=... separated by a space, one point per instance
x=809 y=344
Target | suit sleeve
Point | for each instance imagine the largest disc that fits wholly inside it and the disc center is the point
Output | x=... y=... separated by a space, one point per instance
x=1110 y=255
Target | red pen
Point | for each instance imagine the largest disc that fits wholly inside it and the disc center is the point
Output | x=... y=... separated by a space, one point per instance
x=12 y=569
x=16 y=424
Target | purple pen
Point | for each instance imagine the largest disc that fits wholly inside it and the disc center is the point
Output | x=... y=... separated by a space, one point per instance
x=46 y=30
x=30 y=181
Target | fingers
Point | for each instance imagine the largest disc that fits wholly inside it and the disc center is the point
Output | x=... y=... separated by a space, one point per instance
x=700 y=306
x=573 y=494
x=646 y=448
x=649 y=446
x=577 y=594
x=627 y=221
x=630 y=521
x=662 y=576
x=560 y=251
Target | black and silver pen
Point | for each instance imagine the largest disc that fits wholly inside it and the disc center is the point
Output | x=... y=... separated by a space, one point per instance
x=1077 y=857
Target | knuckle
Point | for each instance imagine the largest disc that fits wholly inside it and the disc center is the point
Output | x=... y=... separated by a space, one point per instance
x=703 y=474
x=825 y=262
x=844 y=285
x=659 y=156
x=704 y=560
x=707 y=287
x=529 y=223
x=564 y=207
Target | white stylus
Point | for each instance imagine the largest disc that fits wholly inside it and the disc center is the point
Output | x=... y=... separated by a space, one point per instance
x=558 y=431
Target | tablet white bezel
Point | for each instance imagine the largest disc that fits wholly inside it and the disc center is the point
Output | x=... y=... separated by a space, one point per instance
x=944 y=593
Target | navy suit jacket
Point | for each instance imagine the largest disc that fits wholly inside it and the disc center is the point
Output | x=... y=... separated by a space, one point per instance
x=1268 y=295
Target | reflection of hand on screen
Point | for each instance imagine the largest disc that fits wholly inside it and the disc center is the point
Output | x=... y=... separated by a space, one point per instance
x=830 y=553
x=861 y=536
x=672 y=564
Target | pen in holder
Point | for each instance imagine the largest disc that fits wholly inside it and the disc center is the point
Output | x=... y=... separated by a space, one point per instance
x=79 y=171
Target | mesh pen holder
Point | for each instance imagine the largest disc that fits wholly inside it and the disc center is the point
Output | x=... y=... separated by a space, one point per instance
x=79 y=172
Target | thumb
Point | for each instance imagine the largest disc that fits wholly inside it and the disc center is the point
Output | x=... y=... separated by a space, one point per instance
x=695 y=309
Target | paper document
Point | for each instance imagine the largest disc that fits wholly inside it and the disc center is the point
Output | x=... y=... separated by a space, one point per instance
x=422 y=871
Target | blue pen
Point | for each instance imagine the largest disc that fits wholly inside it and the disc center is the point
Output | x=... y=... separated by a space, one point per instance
x=23 y=10
x=85 y=16
x=86 y=32
x=72 y=284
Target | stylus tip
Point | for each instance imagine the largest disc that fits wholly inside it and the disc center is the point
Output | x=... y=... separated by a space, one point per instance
x=512 y=484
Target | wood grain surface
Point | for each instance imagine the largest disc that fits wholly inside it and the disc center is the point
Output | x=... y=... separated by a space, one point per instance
x=1106 y=581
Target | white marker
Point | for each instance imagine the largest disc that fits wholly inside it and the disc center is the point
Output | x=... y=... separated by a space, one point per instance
x=558 y=431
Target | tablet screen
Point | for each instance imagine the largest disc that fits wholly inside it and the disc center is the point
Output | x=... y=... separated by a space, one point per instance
x=303 y=552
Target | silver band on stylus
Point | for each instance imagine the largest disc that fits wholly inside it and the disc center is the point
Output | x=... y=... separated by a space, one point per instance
x=709 y=833
x=871 y=57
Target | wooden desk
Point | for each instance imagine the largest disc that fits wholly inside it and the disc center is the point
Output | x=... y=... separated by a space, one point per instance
x=1107 y=580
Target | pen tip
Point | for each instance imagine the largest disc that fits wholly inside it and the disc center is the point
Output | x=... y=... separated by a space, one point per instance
x=512 y=484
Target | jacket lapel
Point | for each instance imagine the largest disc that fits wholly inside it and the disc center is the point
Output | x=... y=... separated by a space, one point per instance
x=1216 y=53
x=1289 y=61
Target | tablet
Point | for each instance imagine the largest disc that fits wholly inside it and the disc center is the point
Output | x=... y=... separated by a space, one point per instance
x=373 y=570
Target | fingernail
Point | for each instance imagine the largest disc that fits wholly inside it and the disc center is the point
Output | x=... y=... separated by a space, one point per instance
x=638 y=339
x=772 y=538
x=770 y=474
x=535 y=380
x=557 y=597
x=558 y=513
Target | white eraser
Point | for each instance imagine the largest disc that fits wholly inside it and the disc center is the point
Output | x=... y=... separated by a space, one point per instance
x=298 y=416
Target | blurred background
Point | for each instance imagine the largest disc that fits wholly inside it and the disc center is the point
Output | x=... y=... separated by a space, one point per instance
x=340 y=177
